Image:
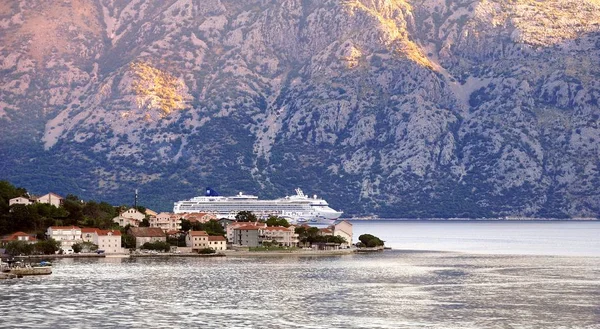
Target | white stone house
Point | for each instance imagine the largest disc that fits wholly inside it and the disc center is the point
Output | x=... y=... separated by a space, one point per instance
x=124 y=221
x=50 y=198
x=166 y=221
x=88 y=234
x=130 y=217
x=217 y=243
x=231 y=227
x=196 y=240
x=133 y=213
x=20 y=200
x=107 y=240
x=66 y=235
x=344 y=230
x=284 y=236
x=20 y=236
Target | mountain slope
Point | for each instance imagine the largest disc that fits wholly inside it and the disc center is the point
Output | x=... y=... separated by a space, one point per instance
x=400 y=108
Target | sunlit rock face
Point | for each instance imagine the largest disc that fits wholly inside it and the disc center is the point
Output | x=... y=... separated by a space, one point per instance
x=398 y=108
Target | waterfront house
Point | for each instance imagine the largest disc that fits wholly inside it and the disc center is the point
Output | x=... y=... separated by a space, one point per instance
x=147 y=234
x=66 y=235
x=88 y=233
x=217 y=242
x=344 y=230
x=284 y=236
x=196 y=240
x=19 y=236
x=246 y=235
x=108 y=241
x=20 y=200
x=229 y=229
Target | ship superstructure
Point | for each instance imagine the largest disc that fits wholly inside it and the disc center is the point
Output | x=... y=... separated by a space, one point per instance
x=297 y=208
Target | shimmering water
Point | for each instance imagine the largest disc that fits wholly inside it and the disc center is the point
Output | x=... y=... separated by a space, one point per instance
x=566 y=238
x=395 y=289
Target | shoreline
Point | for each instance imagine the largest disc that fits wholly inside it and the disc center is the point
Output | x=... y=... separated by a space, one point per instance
x=296 y=253
x=224 y=253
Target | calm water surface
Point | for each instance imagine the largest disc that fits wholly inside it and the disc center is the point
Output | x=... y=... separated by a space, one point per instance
x=395 y=289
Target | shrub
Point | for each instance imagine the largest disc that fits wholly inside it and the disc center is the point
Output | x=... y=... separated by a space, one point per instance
x=206 y=251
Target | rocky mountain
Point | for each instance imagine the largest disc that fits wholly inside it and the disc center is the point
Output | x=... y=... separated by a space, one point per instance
x=405 y=108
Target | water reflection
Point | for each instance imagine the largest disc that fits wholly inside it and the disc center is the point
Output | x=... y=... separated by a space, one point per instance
x=389 y=290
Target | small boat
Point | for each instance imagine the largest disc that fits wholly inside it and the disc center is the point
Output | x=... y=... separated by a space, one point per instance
x=19 y=269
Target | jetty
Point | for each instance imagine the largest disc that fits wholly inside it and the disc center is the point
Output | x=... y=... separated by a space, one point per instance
x=14 y=268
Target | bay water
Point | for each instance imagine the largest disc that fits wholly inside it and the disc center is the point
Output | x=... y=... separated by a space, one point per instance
x=439 y=275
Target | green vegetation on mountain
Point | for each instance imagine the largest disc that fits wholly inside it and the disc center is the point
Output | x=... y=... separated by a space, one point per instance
x=37 y=217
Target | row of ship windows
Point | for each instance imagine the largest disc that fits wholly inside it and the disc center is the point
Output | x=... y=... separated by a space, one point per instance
x=242 y=208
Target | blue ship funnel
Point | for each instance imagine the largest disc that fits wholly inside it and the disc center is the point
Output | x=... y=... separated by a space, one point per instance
x=211 y=192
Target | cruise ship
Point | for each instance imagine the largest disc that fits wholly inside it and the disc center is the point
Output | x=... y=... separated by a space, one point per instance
x=297 y=209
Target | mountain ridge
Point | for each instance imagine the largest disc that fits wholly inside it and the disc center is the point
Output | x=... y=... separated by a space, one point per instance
x=404 y=108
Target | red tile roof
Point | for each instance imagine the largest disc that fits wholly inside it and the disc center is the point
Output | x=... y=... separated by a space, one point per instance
x=105 y=232
x=198 y=233
x=15 y=236
x=88 y=230
x=216 y=238
x=247 y=227
x=147 y=232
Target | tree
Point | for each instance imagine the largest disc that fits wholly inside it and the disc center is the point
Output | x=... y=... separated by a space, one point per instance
x=73 y=206
x=76 y=248
x=212 y=227
x=245 y=216
x=15 y=248
x=157 y=245
x=84 y=247
x=307 y=235
x=177 y=241
x=127 y=241
x=370 y=241
x=23 y=217
x=277 y=221
x=145 y=222
x=47 y=247
x=186 y=225
x=7 y=192
x=206 y=251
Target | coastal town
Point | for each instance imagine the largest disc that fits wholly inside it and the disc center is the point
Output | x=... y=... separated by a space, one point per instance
x=140 y=231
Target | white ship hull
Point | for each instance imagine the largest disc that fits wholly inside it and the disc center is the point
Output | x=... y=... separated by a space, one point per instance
x=297 y=209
